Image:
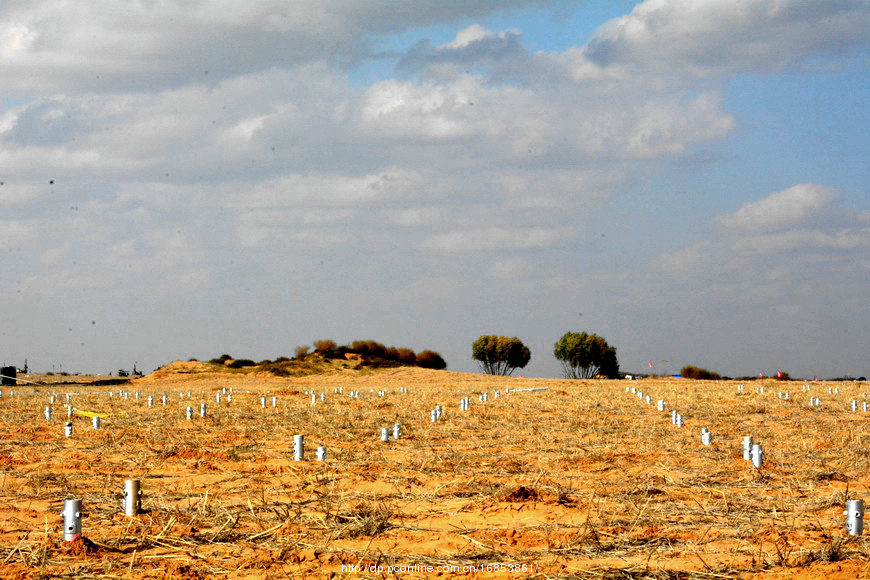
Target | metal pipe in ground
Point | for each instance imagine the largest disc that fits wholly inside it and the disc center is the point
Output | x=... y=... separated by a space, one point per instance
x=132 y=497
x=72 y=519
x=757 y=455
x=298 y=447
x=854 y=517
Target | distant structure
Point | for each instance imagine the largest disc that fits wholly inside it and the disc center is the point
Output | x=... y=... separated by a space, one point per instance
x=125 y=373
x=9 y=375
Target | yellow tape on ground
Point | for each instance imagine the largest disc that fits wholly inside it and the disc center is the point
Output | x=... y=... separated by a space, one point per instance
x=93 y=414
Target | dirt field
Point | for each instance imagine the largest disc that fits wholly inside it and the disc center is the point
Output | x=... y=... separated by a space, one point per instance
x=583 y=478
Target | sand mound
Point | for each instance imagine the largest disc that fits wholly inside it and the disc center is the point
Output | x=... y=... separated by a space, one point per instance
x=190 y=366
x=178 y=367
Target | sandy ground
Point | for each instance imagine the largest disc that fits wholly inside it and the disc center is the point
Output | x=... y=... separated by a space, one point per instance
x=582 y=478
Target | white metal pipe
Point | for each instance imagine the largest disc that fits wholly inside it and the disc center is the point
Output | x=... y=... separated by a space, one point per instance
x=299 y=448
x=72 y=519
x=854 y=516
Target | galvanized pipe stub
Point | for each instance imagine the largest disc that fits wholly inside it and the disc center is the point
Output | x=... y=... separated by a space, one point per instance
x=72 y=519
x=298 y=447
x=854 y=517
x=757 y=455
x=132 y=497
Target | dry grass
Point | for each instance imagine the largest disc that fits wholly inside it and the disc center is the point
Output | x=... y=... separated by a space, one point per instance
x=581 y=480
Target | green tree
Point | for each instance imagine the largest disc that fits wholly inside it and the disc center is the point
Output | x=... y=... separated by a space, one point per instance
x=584 y=356
x=500 y=355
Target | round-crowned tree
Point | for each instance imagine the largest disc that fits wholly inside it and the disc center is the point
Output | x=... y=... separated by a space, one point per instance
x=500 y=355
x=584 y=356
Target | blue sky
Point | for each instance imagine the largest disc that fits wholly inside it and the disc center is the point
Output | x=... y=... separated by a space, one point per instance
x=687 y=179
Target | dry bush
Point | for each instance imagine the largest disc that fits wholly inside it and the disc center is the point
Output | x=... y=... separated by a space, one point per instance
x=406 y=356
x=324 y=347
x=428 y=359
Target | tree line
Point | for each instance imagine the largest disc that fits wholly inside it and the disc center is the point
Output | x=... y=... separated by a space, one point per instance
x=582 y=355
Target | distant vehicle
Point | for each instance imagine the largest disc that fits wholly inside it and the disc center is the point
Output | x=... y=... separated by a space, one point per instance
x=125 y=373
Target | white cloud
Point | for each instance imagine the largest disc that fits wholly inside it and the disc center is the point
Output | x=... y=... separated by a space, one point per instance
x=430 y=111
x=12 y=194
x=780 y=209
x=803 y=240
x=103 y=45
x=195 y=140
x=327 y=190
x=501 y=54
x=420 y=216
x=765 y=249
x=15 y=39
x=496 y=238
x=253 y=235
x=472 y=34
x=687 y=260
x=510 y=269
x=665 y=128
x=15 y=234
x=726 y=36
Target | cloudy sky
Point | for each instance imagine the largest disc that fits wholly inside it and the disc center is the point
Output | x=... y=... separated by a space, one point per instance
x=687 y=178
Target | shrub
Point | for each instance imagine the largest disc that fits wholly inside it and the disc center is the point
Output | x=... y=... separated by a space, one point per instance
x=324 y=347
x=222 y=359
x=368 y=348
x=301 y=352
x=690 y=372
x=240 y=363
x=428 y=359
x=406 y=356
x=377 y=362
